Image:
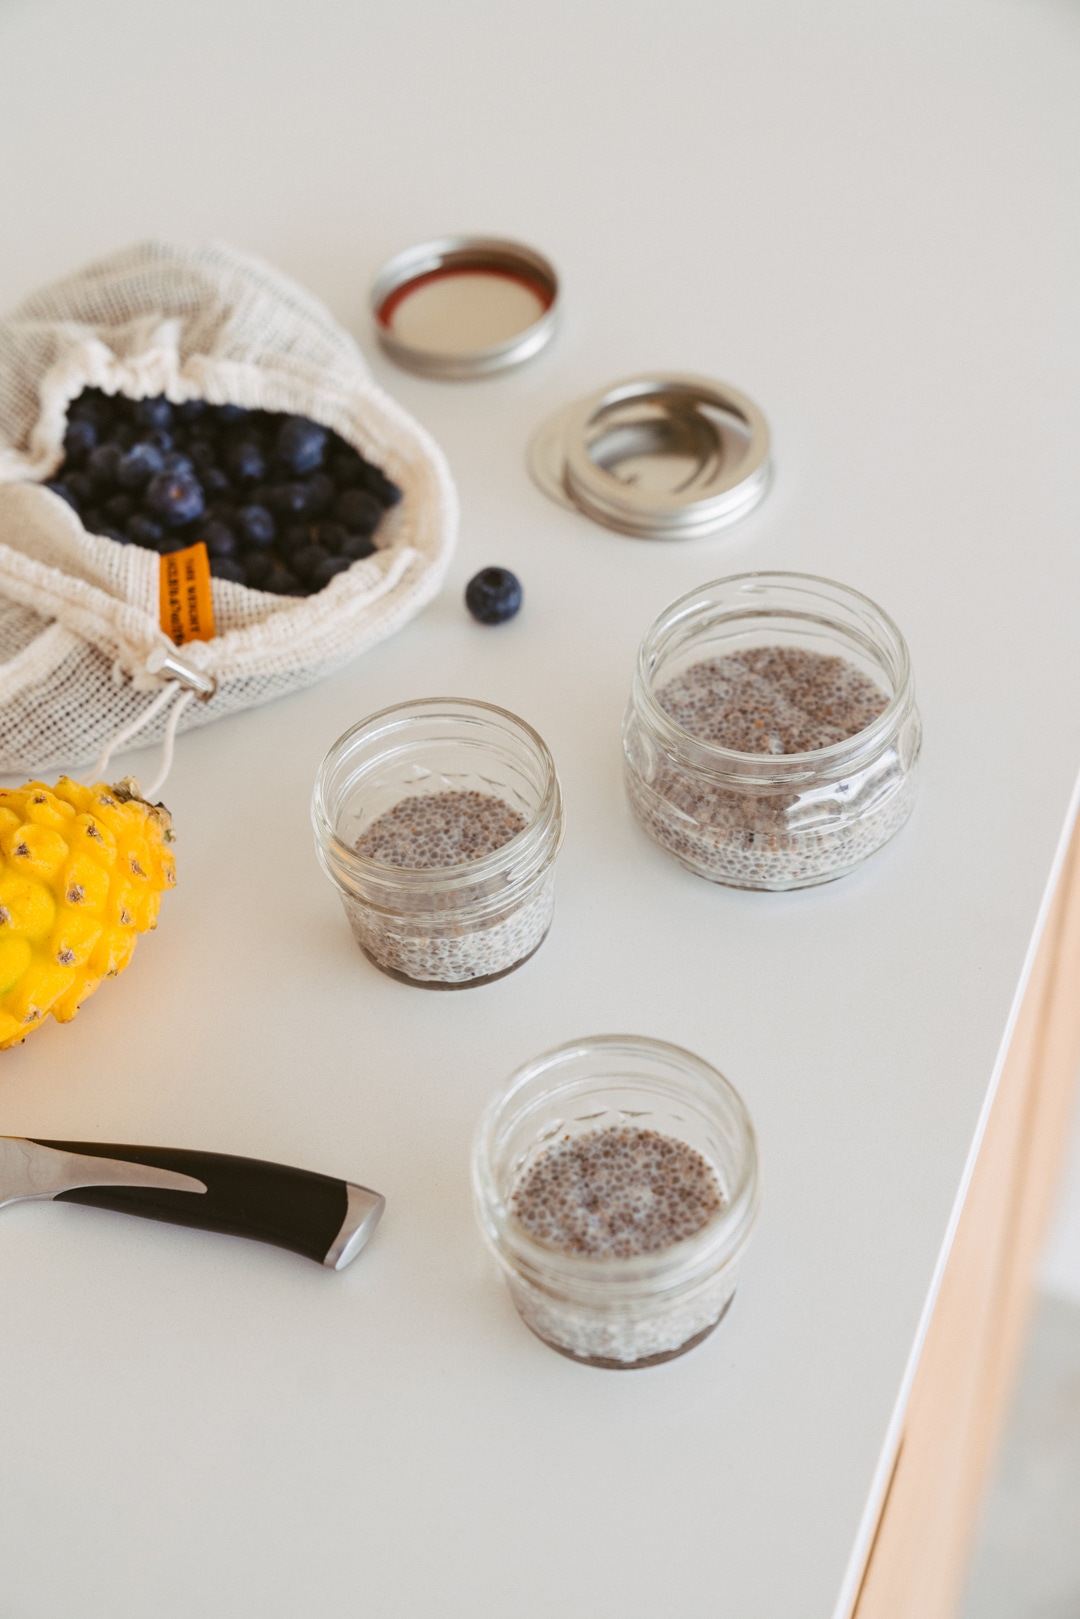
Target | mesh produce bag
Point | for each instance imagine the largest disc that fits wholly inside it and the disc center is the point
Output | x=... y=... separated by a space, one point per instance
x=81 y=643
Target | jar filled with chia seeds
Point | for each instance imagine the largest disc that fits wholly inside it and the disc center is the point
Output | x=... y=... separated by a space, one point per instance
x=439 y=821
x=616 y=1182
x=771 y=739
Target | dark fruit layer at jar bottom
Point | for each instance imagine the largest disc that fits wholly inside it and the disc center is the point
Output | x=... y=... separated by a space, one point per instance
x=282 y=503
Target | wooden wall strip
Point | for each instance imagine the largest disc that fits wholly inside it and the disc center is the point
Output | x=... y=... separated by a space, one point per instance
x=918 y=1562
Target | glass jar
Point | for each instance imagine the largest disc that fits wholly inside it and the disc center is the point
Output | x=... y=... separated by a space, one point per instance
x=443 y=927
x=771 y=820
x=618 y=1312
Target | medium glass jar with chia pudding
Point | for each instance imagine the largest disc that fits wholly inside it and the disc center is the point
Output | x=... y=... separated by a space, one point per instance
x=616 y=1182
x=771 y=739
x=439 y=822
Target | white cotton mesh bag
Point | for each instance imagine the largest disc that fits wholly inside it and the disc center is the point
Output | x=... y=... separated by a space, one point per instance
x=81 y=647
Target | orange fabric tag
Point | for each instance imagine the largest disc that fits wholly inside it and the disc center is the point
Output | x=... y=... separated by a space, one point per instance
x=186 y=606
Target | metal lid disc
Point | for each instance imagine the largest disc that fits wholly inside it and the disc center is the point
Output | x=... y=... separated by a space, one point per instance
x=657 y=456
x=465 y=306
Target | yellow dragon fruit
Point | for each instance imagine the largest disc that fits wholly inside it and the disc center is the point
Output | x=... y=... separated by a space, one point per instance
x=82 y=870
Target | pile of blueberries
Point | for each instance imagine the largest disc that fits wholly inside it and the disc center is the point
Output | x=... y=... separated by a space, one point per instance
x=281 y=503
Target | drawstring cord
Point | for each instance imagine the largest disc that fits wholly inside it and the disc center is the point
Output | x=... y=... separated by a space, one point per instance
x=169 y=743
x=164 y=697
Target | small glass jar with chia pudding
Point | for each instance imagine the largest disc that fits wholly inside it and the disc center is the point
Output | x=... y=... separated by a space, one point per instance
x=439 y=822
x=771 y=739
x=616 y=1182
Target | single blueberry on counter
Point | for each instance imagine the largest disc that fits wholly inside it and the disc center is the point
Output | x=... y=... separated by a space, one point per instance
x=493 y=595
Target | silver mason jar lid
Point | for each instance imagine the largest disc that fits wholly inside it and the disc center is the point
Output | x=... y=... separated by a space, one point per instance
x=661 y=456
x=465 y=306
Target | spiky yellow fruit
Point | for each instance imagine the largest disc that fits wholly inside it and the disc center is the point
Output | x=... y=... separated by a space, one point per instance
x=82 y=870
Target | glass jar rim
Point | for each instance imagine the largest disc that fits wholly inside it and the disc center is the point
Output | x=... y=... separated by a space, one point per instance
x=783 y=767
x=438 y=877
x=677 y=1267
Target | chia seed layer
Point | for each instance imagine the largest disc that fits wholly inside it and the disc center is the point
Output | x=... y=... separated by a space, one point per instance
x=430 y=830
x=468 y=934
x=774 y=701
x=617 y=1193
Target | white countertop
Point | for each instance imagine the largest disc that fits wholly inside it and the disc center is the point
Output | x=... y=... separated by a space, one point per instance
x=865 y=217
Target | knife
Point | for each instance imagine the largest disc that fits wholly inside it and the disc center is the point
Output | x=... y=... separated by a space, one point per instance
x=324 y=1219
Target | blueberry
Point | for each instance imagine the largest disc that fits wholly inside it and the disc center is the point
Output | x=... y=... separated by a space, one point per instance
x=175 y=498
x=92 y=520
x=116 y=534
x=123 y=436
x=215 y=482
x=118 y=508
x=169 y=543
x=102 y=464
x=288 y=500
x=359 y=511
x=356 y=548
x=256 y=525
x=301 y=444
x=202 y=455
x=160 y=439
x=141 y=531
x=191 y=410
x=93 y=406
x=493 y=595
x=230 y=414
x=175 y=463
x=296 y=537
x=81 y=486
x=141 y=463
x=246 y=461
x=304 y=562
x=378 y=484
x=80 y=438
x=219 y=540
x=321 y=575
x=281 y=581
x=62 y=489
x=153 y=412
x=258 y=567
x=227 y=568
x=346 y=468
x=332 y=536
x=320 y=494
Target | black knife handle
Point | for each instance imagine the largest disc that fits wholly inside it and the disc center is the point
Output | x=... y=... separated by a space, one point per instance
x=244 y=1197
